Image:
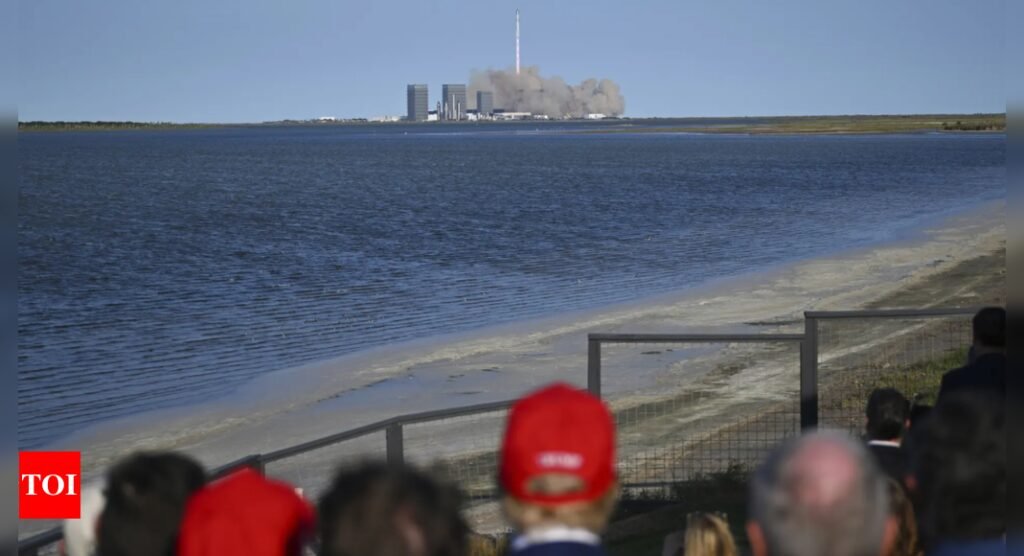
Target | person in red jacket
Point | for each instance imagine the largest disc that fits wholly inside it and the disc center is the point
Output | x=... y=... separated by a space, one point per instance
x=246 y=514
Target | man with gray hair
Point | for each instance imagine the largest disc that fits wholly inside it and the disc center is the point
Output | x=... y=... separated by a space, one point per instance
x=820 y=494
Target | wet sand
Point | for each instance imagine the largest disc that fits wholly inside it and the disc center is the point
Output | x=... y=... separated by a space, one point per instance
x=300 y=404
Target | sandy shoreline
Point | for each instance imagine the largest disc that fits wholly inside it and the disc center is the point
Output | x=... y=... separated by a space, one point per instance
x=299 y=404
x=296 y=405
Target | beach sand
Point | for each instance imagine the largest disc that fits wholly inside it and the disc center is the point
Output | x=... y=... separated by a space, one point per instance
x=944 y=265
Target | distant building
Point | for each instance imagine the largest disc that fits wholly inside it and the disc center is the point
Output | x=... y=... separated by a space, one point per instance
x=416 y=99
x=484 y=103
x=596 y=116
x=512 y=115
x=454 y=101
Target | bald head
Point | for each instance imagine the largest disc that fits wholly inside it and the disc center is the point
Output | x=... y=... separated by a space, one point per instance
x=819 y=494
x=822 y=473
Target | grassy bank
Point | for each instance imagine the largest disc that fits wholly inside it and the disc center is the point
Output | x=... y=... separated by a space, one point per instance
x=831 y=124
x=105 y=126
x=752 y=125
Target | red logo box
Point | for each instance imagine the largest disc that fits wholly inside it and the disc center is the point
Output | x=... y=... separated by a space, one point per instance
x=49 y=485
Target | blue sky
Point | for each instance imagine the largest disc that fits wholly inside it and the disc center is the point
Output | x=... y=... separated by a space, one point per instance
x=258 y=60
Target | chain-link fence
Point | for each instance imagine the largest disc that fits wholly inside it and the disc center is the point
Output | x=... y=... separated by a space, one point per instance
x=859 y=351
x=463 y=449
x=313 y=470
x=687 y=406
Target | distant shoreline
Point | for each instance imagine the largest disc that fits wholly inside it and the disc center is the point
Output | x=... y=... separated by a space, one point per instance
x=984 y=123
x=975 y=123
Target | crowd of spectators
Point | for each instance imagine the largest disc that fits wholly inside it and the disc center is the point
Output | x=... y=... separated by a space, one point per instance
x=922 y=481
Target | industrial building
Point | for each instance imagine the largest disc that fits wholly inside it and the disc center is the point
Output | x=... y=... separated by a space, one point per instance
x=454 y=101
x=416 y=98
x=484 y=103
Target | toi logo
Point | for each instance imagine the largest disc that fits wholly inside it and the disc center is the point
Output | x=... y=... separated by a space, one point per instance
x=49 y=485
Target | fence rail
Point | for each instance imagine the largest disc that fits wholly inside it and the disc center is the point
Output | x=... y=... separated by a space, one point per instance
x=766 y=432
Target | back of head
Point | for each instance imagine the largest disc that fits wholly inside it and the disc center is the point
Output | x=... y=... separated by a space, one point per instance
x=887 y=414
x=247 y=514
x=708 y=535
x=989 y=327
x=958 y=464
x=820 y=495
x=145 y=499
x=378 y=509
x=557 y=464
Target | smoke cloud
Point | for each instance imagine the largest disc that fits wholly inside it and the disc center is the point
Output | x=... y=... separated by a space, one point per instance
x=552 y=96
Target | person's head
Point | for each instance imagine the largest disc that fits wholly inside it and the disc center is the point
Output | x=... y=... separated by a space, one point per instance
x=246 y=513
x=707 y=535
x=557 y=463
x=819 y=495
x=377 y=509
x=888 y=414
x=906 y=542
x=958 y=469
x=989 y=330
x=145 y=498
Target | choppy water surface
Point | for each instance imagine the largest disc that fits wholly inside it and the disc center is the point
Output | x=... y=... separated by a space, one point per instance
x=164 y=268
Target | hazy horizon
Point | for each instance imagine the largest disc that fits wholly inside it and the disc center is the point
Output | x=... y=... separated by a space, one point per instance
x=626 y=117
x=246 y=62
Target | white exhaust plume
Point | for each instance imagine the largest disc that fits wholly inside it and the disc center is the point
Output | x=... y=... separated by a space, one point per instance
x=528 y=91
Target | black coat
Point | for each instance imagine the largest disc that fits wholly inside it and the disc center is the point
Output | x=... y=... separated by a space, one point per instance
x=987 y=374
x=891 y=459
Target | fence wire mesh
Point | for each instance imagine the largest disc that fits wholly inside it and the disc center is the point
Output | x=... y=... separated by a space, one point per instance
x=313 y=471
x=857 y=355
x=685 y=411
x=691 y=411
x=461 y=449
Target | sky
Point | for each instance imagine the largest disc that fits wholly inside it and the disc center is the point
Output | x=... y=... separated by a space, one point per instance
x=261 y=60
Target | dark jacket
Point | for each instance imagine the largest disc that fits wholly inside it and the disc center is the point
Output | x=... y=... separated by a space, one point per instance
x=891 y=459
x=991 y=547
x=986 y=373
x=557 y=541
x=560 y=549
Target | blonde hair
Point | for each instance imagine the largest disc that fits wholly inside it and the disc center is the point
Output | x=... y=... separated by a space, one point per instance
x=591 y=515
x=708 y=535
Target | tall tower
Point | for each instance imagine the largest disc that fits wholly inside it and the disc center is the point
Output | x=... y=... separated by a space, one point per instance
x=416 y=100
x=517 y=41
x=454 y=95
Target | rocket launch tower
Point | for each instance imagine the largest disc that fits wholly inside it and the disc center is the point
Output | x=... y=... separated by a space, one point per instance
x=517 y=41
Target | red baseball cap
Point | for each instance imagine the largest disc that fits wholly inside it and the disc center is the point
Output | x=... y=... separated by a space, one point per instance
x=558 y=429
x=246 y=514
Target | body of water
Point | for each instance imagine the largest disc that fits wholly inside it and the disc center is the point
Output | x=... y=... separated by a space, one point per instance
x=164 y=268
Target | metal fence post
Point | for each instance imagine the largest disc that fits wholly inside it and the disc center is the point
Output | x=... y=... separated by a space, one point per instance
x=258 y=464
x=809 y=374
x=594 y=366
x=394 y=441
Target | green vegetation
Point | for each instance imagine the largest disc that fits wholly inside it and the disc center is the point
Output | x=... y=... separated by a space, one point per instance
x=104 y=126
x=828 y=124
x=919 y=381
